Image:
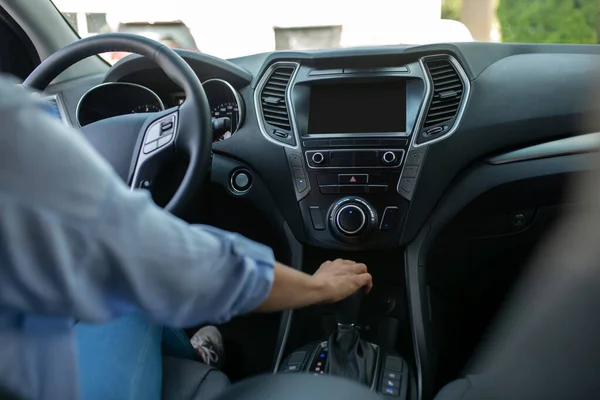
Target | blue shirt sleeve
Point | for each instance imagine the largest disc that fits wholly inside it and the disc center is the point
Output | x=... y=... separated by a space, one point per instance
x=76 y=241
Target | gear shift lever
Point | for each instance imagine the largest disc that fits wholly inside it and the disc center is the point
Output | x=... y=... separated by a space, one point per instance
x=347 y=310
x=348 y=355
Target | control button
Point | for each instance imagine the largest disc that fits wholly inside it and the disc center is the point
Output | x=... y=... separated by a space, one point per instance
x=410 y=172
x=353 y=189
x=389 y=374
x=393 y=383
x=392 y=391
x=297 y=357
x=301 y=185
x=292 y=368
x=295 y=160
x=150 y=147
x=298 y=173
x=388 y=157
x=394 y=363
x=281 y=134
x=346 y=179
x=407 y=184
x=389 y=218
x=351 y=219
x=377 y=189
x=241 y=181
x=317 y=218
x=329 y=189
x=166 y=126
x=318 y=158
x=327 y=179
x=434 y=130
x=164 y=140
x=379 y=179
x=414 y=159
x=153 y=133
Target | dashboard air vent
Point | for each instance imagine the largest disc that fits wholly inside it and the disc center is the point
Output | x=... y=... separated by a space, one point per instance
x=273 y=100
x=448 y=89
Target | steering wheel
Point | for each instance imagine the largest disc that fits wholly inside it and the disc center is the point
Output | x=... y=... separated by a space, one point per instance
x=138 y=145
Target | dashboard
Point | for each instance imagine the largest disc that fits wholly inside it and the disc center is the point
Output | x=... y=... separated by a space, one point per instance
x=354 y=148
x=368 y=151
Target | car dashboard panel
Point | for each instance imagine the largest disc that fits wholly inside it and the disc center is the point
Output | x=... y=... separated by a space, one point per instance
x=354 y=148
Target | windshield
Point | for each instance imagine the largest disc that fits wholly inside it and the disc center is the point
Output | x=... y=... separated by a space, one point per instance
x=240 y=27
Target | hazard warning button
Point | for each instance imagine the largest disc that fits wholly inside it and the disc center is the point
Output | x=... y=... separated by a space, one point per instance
x=353 y=179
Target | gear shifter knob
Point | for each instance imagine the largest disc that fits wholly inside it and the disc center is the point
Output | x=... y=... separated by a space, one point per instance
x=347 y=310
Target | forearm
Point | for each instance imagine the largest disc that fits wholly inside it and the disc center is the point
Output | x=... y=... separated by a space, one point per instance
x=293 y=289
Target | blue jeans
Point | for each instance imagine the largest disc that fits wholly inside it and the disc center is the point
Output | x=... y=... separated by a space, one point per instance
x=122 y=359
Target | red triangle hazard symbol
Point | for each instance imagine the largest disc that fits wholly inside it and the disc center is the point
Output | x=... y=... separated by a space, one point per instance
x=353 y=180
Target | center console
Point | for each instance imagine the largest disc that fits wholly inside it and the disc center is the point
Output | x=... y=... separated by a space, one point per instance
x=346 y=354
x=349 y=135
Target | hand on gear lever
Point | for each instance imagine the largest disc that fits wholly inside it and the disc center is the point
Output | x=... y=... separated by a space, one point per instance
x=348 y=355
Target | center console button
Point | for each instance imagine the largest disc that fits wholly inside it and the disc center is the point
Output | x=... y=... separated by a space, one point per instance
x=389 y=219
x=414 y=159
x=348 y=179
x=389 y=157
x=389 y=374
x=329 y=189
x=318 y=158
x=351 y=219
x=327 y=179
x=410 y=172
x=317 y=218
x=301 y=184
x=407 y=184
x=394 y=363
x=377 y=189
x=353 y=189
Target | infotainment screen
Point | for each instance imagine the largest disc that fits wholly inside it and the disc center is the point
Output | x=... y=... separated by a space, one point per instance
x=373 y=107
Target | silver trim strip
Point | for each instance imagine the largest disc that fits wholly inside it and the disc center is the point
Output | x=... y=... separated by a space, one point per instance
x=574 y=145
x=288 y=98
x=238 y=100
x=466 y=95
x=62 y=111
x=113 y=83
x=288 y=323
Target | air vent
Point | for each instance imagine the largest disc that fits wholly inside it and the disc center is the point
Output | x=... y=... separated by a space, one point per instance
x=273 y=99
x=448 y=89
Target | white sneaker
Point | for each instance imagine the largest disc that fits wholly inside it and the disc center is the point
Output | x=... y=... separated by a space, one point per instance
x=208 y=343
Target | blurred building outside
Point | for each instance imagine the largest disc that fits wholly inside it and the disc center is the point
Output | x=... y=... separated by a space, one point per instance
x=241 y=27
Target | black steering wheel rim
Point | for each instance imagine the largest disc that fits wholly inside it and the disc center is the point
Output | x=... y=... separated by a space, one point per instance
x=194 y=128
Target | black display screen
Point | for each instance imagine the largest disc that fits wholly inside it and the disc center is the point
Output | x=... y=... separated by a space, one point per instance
x=357 y=108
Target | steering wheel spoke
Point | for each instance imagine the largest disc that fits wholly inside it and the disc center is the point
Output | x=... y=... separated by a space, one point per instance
x=158 y=144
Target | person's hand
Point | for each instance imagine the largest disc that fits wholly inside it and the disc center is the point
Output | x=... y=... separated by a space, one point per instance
x=341 y=278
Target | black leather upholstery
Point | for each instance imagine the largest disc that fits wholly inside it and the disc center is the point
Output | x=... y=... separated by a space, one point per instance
x=351 y=357
x=191 y=380
x=455 y=390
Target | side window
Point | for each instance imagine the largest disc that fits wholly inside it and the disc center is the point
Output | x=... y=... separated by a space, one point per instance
x=18 y=57
x=308 y=37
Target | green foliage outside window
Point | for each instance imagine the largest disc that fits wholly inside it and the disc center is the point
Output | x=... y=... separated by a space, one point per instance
x=549 y=21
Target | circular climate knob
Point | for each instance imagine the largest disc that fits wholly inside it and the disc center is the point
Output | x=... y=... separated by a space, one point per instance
x=318 y=158
x=351 y=219
x=388 y=157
